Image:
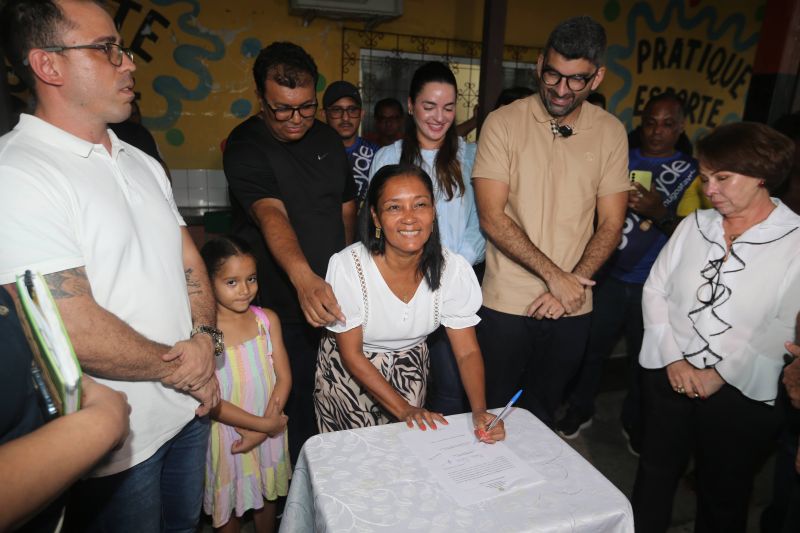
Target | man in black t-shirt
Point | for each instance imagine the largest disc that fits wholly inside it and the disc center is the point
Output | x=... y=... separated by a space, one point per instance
x=292 y=195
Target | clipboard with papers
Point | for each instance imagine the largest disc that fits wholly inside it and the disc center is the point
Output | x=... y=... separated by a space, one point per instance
x=56 y=372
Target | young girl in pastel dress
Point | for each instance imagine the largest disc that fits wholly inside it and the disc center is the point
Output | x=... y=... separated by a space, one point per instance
x=247 y=465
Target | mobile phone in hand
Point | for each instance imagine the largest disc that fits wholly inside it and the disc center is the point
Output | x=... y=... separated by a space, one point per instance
x=642 y=177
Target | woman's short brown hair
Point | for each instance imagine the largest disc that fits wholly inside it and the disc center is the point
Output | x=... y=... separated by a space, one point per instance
x=748 y=148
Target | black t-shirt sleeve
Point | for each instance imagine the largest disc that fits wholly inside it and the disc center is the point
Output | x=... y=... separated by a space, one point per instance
x=249 y=174
x=350 y=188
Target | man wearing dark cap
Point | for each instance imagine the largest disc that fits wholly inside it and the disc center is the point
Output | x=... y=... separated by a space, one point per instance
x=342 y=104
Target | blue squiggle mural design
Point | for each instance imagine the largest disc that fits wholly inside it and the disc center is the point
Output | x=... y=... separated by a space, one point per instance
x=191 y=58
x=707 y=15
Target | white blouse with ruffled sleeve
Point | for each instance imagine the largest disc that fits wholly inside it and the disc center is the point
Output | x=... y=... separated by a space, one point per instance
x=731 y=314
x=388 y=323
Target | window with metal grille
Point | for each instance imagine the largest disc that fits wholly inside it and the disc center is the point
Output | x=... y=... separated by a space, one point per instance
x=381 y=64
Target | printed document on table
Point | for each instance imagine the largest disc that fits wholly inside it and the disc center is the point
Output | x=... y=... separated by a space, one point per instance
x=469 y=471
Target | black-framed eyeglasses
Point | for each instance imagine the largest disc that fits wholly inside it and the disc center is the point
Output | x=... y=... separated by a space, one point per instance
x=282 y=114
x=114 y=52
x=576 y=82
x=337 y=112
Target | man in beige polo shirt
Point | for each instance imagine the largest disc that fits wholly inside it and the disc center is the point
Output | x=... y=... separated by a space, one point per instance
x=546 y=165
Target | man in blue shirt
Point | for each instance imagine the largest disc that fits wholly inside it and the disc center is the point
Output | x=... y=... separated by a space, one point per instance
x=342 y=104
x=652 y=215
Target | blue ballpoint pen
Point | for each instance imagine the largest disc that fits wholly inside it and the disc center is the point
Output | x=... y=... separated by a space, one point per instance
x=504 y=411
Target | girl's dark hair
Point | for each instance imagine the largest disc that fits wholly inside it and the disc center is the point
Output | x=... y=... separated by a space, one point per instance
x=748 y=148
x=216 y=251
x=448 y=169
x=431 y=263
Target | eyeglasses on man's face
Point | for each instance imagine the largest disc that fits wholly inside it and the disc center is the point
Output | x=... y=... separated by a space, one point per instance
x=337 y=111
x=285 y=113
x=576 y=82
x=114 y=52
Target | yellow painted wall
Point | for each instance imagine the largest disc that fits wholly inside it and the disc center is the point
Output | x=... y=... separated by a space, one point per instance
x=198 y=85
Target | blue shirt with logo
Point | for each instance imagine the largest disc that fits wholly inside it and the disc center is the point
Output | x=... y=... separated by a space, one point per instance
x=360 y=155
x=638 y=250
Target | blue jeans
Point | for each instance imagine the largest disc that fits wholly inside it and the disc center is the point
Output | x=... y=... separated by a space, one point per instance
x=163 y=493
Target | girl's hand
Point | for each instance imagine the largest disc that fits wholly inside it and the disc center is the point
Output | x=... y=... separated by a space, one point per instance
x=481 y=420
x=422 y=417
x=249 y=440
x=276 y=424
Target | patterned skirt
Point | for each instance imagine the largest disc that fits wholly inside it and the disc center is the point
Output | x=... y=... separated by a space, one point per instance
x=340 y=402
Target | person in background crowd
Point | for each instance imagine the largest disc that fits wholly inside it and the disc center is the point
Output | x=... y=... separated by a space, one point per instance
x=39 y=462
x=789 y=194
x=431 y=142
x=342 y=105
x=545 y=165
x=718 y=305
x=597 y=99
x=653 y=213
x=512 y=94
x=95 y=216
x=396 y=286
x=388 y=122
x=293 y=201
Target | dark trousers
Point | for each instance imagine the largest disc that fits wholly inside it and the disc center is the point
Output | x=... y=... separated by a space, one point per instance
x=302 y=343
x=445 y=391
x=783 y=513
x=729 y=436
x=617 y=310
x=539 y=356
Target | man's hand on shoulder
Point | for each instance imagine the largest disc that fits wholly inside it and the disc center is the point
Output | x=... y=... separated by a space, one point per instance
x=196 y=359
x=317 y=300
x=568 y=288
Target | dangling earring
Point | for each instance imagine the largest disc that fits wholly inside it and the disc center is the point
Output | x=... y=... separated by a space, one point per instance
x=377 y=233
x=762 y=183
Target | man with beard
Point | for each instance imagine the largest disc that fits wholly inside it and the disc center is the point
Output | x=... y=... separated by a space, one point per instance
x=653 y=214
x=342 y=104
x=545 y=165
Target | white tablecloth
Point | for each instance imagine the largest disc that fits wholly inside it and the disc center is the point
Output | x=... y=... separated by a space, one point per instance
x=367 y=480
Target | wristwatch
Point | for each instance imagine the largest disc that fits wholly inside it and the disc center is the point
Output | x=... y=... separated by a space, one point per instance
x=216 y=336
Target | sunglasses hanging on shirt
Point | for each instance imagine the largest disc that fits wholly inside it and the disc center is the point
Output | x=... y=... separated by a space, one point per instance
x=561 y=130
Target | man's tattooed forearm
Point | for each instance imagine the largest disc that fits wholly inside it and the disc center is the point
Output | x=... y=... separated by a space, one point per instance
x=68 y=283
x=192 y=284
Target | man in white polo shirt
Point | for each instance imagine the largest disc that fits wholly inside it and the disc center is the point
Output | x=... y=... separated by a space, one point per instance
x=96 y=217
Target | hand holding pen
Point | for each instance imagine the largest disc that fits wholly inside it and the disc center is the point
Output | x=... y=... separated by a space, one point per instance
x=495 y=430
